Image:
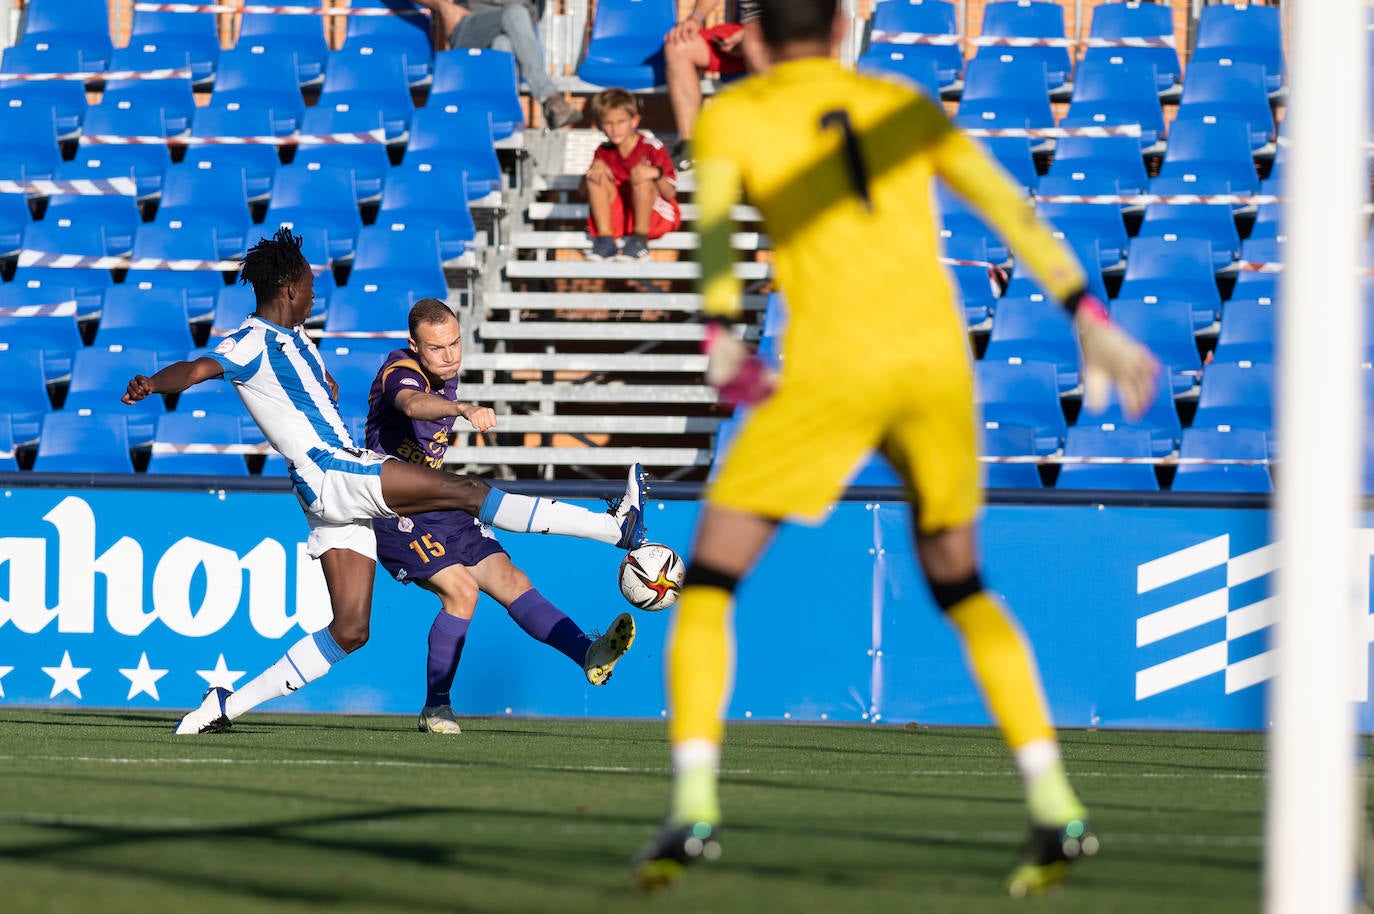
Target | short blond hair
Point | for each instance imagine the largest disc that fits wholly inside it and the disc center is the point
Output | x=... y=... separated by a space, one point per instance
x=611 y=100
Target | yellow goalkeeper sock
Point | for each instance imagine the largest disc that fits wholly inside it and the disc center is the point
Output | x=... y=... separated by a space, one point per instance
x=700 y=662
x=1004 y=667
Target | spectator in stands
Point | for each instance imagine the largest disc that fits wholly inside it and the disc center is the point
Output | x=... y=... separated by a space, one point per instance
x=506 y=25
x=631 y=186
x=692 y=49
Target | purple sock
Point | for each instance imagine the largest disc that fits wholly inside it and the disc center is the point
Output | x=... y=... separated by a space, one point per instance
x=446 y=637
x=545 y=622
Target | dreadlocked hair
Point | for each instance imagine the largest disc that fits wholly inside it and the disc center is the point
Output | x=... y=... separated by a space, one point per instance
x=273 y=263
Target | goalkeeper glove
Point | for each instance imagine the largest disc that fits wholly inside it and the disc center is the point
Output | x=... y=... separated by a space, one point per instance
x=742 y=377
x=1111 y=358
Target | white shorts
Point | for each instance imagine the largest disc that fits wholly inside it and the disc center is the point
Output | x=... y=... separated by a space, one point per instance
x=341 y=492
x=357 y=536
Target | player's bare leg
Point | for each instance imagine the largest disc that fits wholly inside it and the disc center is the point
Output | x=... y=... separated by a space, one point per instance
x=700 y=668
x=411 y=489
x=457 y=591
x=1004 y=666
x=683 y=63
x=601 y=193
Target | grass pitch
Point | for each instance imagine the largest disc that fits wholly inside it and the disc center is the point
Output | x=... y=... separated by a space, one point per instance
x=105 y=813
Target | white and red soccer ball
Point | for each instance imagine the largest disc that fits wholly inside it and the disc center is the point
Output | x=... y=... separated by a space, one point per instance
x=651 y=577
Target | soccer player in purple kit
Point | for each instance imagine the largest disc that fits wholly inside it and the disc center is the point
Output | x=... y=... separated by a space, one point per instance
x=411 y=410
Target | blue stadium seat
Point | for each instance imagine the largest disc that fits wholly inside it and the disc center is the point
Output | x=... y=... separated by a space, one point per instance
x=1118 y=158
x=195 y=33
x=1033 y=328
x=117 y=216
x=1248 y=332
x=960 y=222
x=368 y=161
x=101 y=374
x=1223 y=444
x=1097 y=441
x=974 y=288
x=317 y=196
x=15 y=216
x=87 y=285
x=178 y=240
x=1225 y=91
x=1243 y=32
x=80 y=25
x=922 y=17
x=174 y=96
x=401 y=258
x=447 y=136
x=84 y=441
x=30 y=149
x=301 y=34
x=23 y=391
x=1004 y=91
x=1007 y=440
x=1166 y=327
x=208 y=193
x=626 y=44
x=259 y=161
x=1236 y=394
x=255 y=77
x=1014 y=154
x=1110 y=90
x=405 y=33
x=367 y=78
x=1213 y=223
x=908 y=62
x=197 y=427
x=8 y=462
x=233 y=304
x=56 y=335
x=1022 y=393
x=60 y=236
x=67 y=97
x=1084 y=247
x=483 y=79
x=1179 y=269
x=1136 y=19
x=1029 y=19
x=1209 y=150
x=1102 y=221
x=1268 y=219
x=153 y=318
x=420 y=195
x=354 y=368
x=368 y=309
x=103 y=162
x=218 y=397
x=1159 y=421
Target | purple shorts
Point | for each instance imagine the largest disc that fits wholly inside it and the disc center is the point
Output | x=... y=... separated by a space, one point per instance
x=417 y=547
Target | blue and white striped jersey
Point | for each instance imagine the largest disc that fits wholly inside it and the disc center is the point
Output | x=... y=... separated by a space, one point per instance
x=280 y=377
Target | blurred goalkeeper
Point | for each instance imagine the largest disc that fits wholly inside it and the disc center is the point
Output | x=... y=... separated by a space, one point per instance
x=840 y=165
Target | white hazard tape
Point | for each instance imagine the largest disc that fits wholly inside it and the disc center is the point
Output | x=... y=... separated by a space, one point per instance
x=310 y=139
x=1055 y=132
x=56 y=309
x=270 y=10
x=1175 y=199
x=85 y=187
x=71 y=261
x=164 y=447
x=993 y=41
x=99 y=75
x=1062 y=460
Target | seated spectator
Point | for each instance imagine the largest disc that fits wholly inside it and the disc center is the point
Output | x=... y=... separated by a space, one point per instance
x=507 y=25
x=691 y=49
x=631 y=186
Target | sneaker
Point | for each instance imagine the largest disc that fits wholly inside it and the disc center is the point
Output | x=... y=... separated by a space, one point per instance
x=633 y=250
x=605 y=652
x=1046 y=855
x=210 y=717
x=603 y=248
x=663 y=858
x=629 y=511
x=682 y=156
x=559 y=112
x=438 y=719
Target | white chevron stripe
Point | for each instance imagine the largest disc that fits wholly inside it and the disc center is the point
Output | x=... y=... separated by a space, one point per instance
x=1183 y=564
x=1180 y=618
x=1181 y=670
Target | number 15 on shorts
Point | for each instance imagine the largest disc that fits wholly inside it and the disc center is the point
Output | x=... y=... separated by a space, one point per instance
x=426 y=546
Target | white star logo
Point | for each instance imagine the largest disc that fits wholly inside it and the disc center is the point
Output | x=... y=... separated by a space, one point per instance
x=66 y=678
x=143 y=678
x=4 y=671
x=221 y=675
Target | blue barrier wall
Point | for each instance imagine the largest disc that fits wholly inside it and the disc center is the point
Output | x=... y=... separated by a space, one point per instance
x=1152 y=617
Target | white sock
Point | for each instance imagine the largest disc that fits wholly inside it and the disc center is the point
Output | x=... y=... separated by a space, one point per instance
x=1035 y=758
x=691 y=754
x=527 y=514
x=305 y=661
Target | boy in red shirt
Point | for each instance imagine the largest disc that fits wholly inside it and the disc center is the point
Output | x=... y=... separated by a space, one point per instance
x=631 y=186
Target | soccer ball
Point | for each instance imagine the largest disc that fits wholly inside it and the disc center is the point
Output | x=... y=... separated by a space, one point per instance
x=651 y=577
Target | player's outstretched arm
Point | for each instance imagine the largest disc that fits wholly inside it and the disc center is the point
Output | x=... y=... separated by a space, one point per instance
x=172 y=380
x=1111 y=358
x=417 y=404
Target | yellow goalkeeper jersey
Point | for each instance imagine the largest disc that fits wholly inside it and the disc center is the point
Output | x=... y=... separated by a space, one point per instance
x=841 y=167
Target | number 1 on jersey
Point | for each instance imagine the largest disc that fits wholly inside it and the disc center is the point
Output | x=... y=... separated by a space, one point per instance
x=853 y=155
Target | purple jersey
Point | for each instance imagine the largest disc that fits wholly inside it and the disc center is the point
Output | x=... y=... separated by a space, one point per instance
x=392 y=432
